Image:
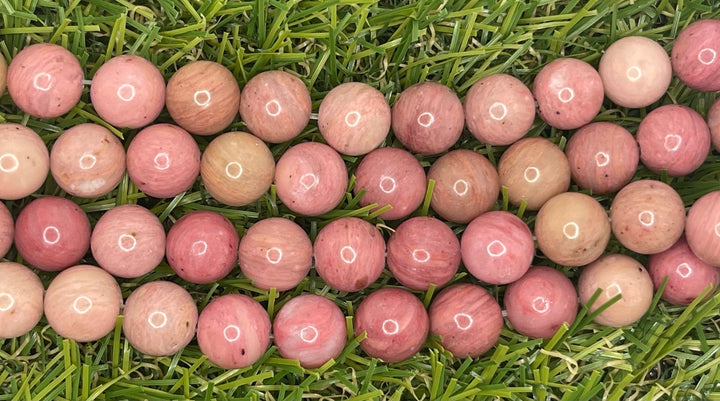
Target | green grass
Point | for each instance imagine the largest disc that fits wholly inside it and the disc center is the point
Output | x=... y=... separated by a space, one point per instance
x=672 y=353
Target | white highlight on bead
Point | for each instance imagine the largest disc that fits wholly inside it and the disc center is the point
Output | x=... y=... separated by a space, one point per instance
x=672 y=142
x=199 y=248
x=202 y=98
x=126 y=92
x=463 y=321
x=498 y=111
x=313 y=180
x=613 y=290
x=540 y=305
x=87 y=161
x=602 y=159
x=390 y=327
x=496 y=253
x=162 y=161
x=683 y=270
x=461 y=187
x=231 y=333
x=646 y=218
x=352 y=119
x=123 y=239
x=566 y=95
x=51 y=231
x=420 y=255
x=703 y=56
x=426 y=119
x=42 y=81
x=348 y=254
x=309 y=334
x=153 y=319
x=14 y=163
x=273 y=108
x=532 y=174
x=717 y=229
x=233 y=170
x=571 y=230
x=6 y=302
x=633 y=73
x=274 y=255
x=385 y=187
x=82 y=304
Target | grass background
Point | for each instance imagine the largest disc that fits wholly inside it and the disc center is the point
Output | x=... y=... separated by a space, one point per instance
x=672 y=353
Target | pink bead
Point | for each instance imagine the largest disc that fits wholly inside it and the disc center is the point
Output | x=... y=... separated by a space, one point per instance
x=349 y=254
x=233 y=331
x=695 y=55
x=497 y=247
x=396 y=324
x=7 y=230
x=24 y=161
x=52 y=233
x=423 y=251
x=311 y=329
x=202 y=247
x=45 y=80
x=703 y=228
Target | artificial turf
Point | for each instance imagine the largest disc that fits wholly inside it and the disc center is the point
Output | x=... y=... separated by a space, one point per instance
x=672 y=353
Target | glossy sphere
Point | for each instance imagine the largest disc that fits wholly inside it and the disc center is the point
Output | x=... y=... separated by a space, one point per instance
x=233 y=331
x=21 y=299
x=128 y=241
x=87 y=161
x=83 y=303
x=617 y=274
x=128 y=91
x=673 y=138
x=396 y=324
x=163 y=160
x=275 y=106
x=534 y=170
x=635 y=71
x=354 y=118
x=3 y=74
x=160 y=318
x=687 y=275
x=572 y=229
x=202 y=97
x=569 y=93
x=466 y=185
x=540 y=302
x=391 y=176
x=311 y=178
x=497 y=247
x=310 y=329
x=202 y=247
x=713 y=121
x=45 y=80
x=468 y=319
x=52 y=233
x=647 y=216
x=275 y=252
x=7 y=230
x=499 y=109
x=703 y=228
x=237 y=168
x=603 y=157
x=423 y=251
x=695 y=55
x=24 y=162
x=428 y=118
x=349 y=254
